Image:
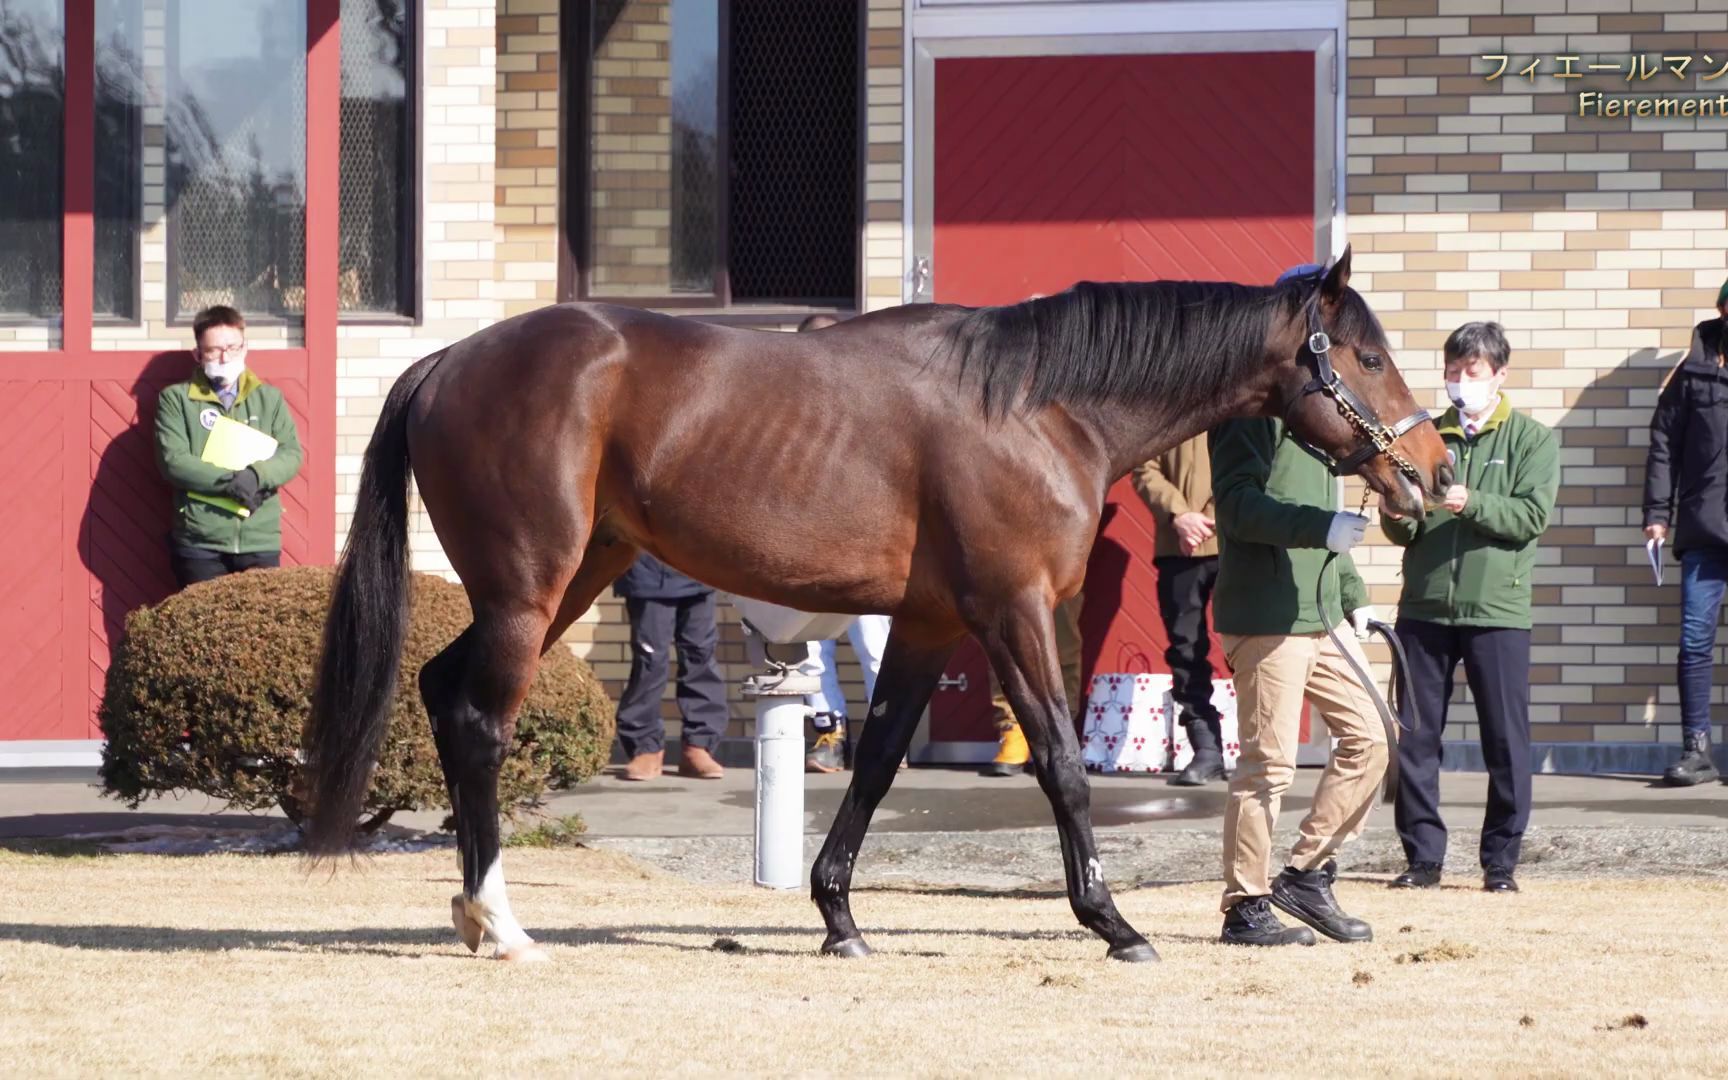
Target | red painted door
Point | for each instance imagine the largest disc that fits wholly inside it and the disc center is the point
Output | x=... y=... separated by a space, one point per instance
x=83 y=540
x=1055 y=169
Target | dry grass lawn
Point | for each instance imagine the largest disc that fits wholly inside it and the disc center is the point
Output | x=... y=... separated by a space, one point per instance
x=231 y=965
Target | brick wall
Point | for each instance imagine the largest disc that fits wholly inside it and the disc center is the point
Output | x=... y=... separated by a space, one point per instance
x=457 y=129
x=1597 y=243
x=526 y=202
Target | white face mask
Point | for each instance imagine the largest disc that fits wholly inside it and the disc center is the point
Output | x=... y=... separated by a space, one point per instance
x=223 y=374
x=1472 y=395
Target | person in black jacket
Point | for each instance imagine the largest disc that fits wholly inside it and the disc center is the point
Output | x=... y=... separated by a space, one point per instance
x=1686 y=500
x=665 y=605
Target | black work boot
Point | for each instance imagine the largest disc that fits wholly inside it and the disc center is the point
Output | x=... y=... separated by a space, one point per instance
x=1307 y=894
x=1252 y=922
x=1208 y=764
x=1694 y=766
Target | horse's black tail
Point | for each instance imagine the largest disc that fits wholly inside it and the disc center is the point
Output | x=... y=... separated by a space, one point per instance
x=356 y=683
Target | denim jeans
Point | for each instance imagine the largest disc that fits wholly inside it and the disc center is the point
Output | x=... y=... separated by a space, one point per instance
x=1703 y=577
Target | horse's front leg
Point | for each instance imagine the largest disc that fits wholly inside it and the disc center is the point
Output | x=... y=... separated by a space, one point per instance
x=909 y=674
x=1022 y=649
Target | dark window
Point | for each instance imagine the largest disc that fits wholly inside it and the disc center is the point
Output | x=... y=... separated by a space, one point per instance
x=236 y=133
x=32 y=135
x=377 y=250
x=713 y=152
x=121 y=97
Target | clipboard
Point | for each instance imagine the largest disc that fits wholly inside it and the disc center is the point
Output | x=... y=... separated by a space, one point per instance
x=233 y=446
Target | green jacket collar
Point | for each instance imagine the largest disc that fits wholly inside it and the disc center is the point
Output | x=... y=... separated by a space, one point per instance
x=1451 y=423
x=201 y=390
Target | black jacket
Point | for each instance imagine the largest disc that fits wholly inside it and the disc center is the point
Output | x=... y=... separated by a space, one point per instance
x=1686 y=475
x=650 y=579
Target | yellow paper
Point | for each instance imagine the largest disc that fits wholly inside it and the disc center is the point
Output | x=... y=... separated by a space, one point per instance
x=225 y=503
x=233 y=445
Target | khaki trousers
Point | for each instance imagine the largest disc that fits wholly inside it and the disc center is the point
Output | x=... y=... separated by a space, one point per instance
x=1068 y=648
x=1274 y=673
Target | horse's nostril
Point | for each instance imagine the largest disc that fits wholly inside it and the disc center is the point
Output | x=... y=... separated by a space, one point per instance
x=1444 y=477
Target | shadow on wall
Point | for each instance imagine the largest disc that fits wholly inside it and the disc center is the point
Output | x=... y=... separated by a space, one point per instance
x=123 y=537
x=1594 y=572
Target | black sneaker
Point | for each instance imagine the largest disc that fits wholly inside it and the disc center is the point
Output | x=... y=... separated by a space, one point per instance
x=1419 y=875
x=1307 y=894
x=1694 y=766
x=1252 y=922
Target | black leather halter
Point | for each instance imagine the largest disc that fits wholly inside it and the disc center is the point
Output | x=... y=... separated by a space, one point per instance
x=1378 y=435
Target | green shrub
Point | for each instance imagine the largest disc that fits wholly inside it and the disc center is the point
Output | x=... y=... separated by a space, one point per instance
x=210 y=690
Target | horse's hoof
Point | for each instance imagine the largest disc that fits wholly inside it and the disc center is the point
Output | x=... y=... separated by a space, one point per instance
x=467 y=926
x=1141 y=953
x=852 y=948
x=526 y=953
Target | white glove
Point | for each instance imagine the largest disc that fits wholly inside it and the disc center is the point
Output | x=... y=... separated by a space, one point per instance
x=1346 y=532
x=1360 y=618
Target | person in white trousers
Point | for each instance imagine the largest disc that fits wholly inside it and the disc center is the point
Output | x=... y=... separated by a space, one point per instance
x=869 y=636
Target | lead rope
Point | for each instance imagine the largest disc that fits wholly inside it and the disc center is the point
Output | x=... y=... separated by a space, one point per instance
x=1400 y=670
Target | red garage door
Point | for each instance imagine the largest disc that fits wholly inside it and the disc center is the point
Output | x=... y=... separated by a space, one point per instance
x=1055 y=169
x=83 y=536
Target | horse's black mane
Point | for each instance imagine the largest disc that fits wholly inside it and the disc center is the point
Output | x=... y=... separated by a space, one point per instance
x=1183 y=344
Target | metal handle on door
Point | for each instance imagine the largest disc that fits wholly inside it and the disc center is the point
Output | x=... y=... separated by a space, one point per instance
x=919 y=276
x=952 y=684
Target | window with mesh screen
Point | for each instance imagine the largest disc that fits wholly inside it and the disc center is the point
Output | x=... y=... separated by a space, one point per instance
x=794 y=151
x=376 y=248
x=236 y=141
x=720 y=158
x=32 y=132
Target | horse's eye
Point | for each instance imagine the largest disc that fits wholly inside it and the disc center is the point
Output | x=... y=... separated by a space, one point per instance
x=1373 y=361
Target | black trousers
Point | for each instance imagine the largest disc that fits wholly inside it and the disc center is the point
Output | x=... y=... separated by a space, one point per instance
x=1497 y=665
x=654 y=625
x=190 y=569
x=1184 y=589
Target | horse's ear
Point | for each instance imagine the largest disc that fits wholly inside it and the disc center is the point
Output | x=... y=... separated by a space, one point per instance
x=1337 y=279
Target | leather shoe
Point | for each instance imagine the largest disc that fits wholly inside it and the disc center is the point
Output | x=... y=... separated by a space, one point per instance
x=1252 y=922
x=699 y=764
x=645 y=766
x=1499 y=879
x=1307 y=895
x=1421 y=875
x=1207 y=766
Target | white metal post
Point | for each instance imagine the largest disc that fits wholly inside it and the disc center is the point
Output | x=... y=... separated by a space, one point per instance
x=780 y=713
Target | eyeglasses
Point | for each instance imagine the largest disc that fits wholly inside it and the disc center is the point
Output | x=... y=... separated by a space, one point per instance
x=224 y=350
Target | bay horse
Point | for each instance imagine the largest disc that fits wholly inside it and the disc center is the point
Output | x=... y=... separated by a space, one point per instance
x=941 y=464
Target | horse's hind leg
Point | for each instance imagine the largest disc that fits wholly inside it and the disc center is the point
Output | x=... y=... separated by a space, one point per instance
x=1022 y=649
x=903 y=687
x=472 y=691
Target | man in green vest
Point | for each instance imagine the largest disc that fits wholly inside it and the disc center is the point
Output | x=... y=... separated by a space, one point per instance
x=1466 y=597
x=225 y=519
x=1276 y=523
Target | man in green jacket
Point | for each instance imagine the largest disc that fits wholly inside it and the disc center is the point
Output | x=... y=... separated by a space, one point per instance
x=1274 y=520
x=1466 y=597
x=225 y=520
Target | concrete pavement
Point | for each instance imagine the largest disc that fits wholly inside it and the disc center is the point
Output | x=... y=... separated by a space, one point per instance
x=60 y=802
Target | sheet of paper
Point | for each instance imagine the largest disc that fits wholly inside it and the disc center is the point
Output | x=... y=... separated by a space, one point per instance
x=233 y=445
x=1653 y=548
